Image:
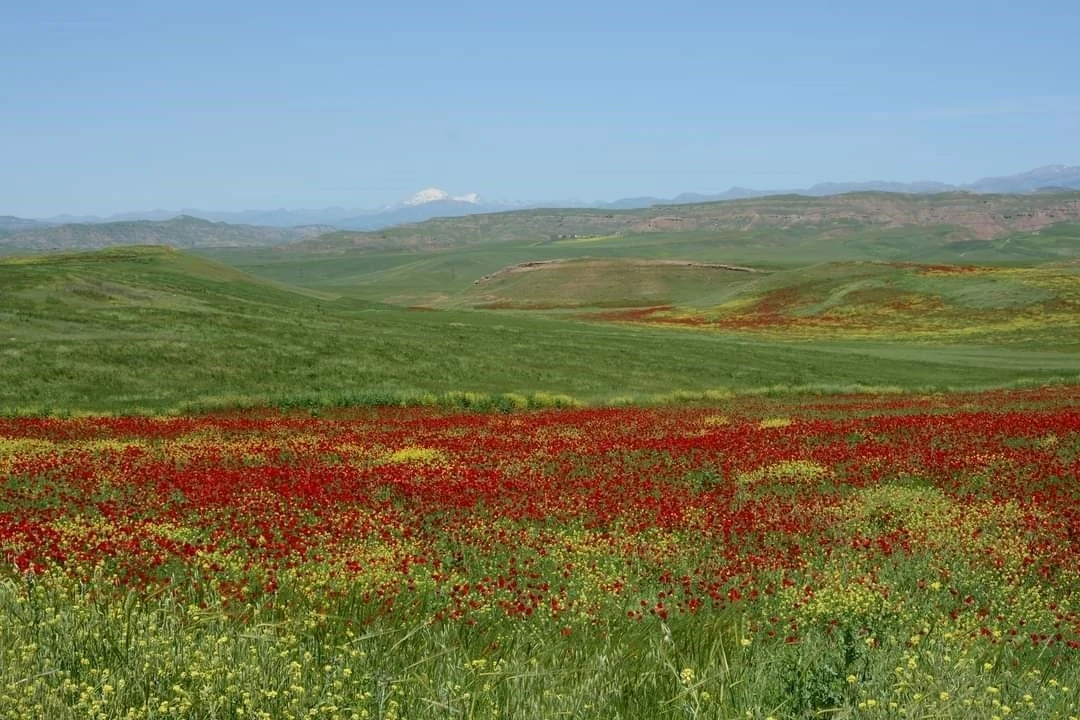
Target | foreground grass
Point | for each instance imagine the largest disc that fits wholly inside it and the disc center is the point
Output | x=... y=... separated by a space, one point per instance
x=850 y=558
x=154 y=330
x=71 y=652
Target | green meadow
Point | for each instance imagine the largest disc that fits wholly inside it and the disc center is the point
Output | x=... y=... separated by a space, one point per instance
x=151 y=329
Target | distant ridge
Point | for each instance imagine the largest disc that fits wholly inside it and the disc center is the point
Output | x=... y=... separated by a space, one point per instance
x=1060 y=177
x=10 y=223
x=955 y=216
x=434 y=202
x=180 y=232
x=1048 y=176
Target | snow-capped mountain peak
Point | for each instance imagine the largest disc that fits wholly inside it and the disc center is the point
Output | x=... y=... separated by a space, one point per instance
x=430 y=195
x=426 y=196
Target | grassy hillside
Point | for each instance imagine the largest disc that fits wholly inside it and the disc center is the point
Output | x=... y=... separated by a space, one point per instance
x=585 y=283
x=940 y=303
x=860 y=299
x=448 y=276
x=155 y=329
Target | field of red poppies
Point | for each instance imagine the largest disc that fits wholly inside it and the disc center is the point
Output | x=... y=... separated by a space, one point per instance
x=897 y=556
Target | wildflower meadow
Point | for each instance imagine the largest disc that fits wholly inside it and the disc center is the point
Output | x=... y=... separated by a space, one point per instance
x=903 y=556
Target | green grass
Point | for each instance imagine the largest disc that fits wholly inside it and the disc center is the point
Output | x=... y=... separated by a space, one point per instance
x=868 y=300
x=396 y=271
x=149 y=330
x=1022 y=304
x=819 y=288
x=602 y=283
x=72 y=654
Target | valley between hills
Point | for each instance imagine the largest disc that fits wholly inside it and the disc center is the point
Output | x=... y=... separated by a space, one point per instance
x=776 y=295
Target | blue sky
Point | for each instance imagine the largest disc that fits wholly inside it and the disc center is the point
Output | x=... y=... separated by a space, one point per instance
x=116 y=106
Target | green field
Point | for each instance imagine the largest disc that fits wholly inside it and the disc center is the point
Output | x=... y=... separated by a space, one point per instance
x=427 y=276
x=153 y=330
x=587 y=306
x=437 y=263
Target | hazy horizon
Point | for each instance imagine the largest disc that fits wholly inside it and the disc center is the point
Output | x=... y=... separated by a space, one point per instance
x=126 y=107
x=484 y=203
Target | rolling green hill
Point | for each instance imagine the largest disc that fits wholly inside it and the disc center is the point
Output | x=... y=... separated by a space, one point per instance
x=592 y=283
x=864 y=290
x=448 y=276
x=154 y=329
x=1028 y=306
x=439 y=263
x=834 y=299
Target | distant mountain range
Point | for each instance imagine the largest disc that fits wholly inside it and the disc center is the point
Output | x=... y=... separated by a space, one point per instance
x=10 y=223
x=1046 y=178
x=179 y=232
x=426 y=204
x=957 y=216
x=434 y=202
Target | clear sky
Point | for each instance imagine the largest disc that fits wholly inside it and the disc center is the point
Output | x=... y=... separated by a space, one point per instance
x=116 y=106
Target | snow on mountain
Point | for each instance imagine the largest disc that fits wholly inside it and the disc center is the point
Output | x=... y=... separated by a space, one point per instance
x=426 y=196
x=434 y=202
x=430 y=195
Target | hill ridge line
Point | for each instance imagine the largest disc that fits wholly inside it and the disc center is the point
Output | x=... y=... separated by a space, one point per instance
x=968 y=217
x=541 y=264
